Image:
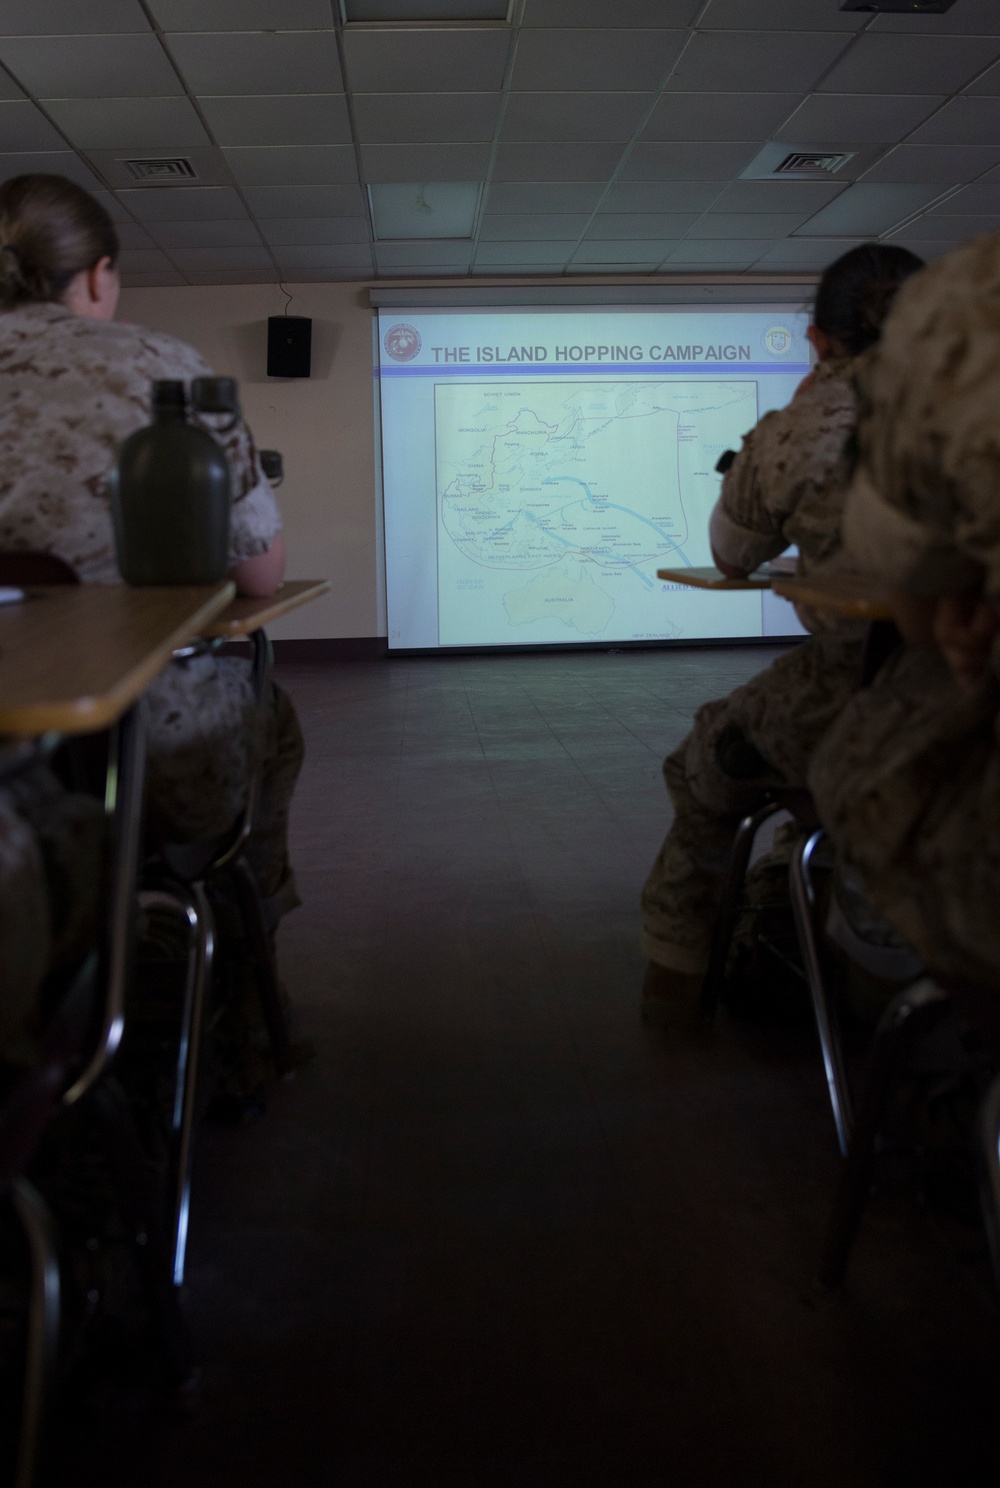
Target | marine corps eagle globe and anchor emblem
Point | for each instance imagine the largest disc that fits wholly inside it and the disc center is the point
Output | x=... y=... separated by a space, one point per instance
x=402 y=342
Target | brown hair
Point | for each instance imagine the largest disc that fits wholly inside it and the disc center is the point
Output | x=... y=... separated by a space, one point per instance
x=50 y=230
x=856 y=293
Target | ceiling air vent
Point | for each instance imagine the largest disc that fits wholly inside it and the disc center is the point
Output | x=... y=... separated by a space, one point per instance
x=175 y=170
x=809 y=163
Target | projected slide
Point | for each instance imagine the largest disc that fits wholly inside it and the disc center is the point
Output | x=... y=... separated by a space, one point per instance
x=577 y=495
x=540 y=466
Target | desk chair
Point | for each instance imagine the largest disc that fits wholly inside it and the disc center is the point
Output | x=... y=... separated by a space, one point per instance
x=911 y=1015
x=881 y=640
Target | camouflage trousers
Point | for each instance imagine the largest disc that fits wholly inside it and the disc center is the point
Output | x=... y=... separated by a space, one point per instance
x=206 y=736
x=761 y=736
x=908 y=784
x=206 y=733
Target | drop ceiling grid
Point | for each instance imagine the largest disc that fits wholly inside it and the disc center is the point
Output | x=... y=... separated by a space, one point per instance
x=610 y=139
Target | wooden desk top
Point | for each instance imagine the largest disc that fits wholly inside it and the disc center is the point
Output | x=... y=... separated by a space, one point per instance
x=244 y=615
x=711 y=578
x=855 y=598
x=74 y=657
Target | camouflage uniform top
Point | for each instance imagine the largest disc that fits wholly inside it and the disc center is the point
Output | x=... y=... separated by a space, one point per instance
x=923 y=510
x=71 y=390
x=786 y=485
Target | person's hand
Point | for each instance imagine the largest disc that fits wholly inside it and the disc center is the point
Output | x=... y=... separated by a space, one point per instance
x=965 y=626
x=728 y=570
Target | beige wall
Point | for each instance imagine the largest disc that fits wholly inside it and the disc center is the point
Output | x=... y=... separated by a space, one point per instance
x=324 y=426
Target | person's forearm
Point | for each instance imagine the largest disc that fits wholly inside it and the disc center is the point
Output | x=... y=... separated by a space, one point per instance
x=260 y=577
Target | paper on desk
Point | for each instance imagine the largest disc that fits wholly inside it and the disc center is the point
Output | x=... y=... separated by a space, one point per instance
x=9 y=595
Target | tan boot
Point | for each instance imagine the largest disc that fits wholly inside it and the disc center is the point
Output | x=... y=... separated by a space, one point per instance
x=670 y=998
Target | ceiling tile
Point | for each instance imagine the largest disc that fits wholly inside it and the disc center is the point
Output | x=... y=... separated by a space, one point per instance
x=540 y=226
x=425 y=162
x=544 y=196
x=305 y=231
x=749 y=224
x=232 y=276
x=168 y=279
x=970 y=17
x=407 y=11
x=241 y=62
x=867 y=209
x=143 y=261
x=988 y=84
x=777 y=196
x=522 y=270
x=718 y=116
x=909 y=64
x=856 y=118
x=90 y=66
x=552 y=59
x=927 y=248
x=534 y=253
x=806 y=253
x=114 y=208
x=947 y=164
x=71 y=17
x=720 y=253
x=637 y=226
x=296 y=119
x=626 y=13
x=241 y=15
x=963 y=121
x=428 y=61
x=661 y=196
x=601 y=270
x=306 y=201
x=687 y=162
x=574 y=116
x=617 y=250
x=130 y=235
x=780 y=15
x=555 y=162
x=128 y=123
x=226 y=233
x=356 y=258
x=935 y=228
x=247 y=256
x=414 y=118
x=982 y=197
x=52 y=162
x=730 y=60
x=209 y=166
x=314 y=165
x=24 y=127
x=455 y=255
x=182 y=203
x=9 y=89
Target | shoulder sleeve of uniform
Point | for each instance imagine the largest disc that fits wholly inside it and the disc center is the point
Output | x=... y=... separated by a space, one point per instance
x=910 y=554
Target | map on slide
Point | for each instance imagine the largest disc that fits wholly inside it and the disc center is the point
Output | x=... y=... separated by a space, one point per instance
x=558 y=502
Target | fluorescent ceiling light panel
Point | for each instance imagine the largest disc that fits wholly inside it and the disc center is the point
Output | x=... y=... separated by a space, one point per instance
x=436 y=209
x=412 y=12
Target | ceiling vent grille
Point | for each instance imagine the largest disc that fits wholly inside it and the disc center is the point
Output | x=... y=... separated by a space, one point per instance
x=811 y=163
x=175 y=170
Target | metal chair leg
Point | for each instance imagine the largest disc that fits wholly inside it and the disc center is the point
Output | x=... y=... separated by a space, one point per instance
x=803 y=896
x=729 y=905
x=905 y=1016
x=137 y=1198
x=43 y=1325
x=265 y=971
x=990 y=1133
x=191 y=902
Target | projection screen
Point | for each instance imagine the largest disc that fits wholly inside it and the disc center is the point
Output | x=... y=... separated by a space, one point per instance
x=540 y=465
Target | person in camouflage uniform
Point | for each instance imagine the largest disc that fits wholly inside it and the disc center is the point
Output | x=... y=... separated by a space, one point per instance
x=73 y=385
x=908 y=779
x=784 y=487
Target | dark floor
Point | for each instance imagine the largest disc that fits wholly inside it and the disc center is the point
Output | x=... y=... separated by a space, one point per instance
x=500 y=1233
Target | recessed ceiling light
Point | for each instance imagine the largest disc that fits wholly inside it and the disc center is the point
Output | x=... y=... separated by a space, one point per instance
x=900 y=7
x=413 y=12
x=435 y=209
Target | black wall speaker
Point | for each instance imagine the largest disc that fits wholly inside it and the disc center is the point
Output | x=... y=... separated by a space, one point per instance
x=289 y=345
